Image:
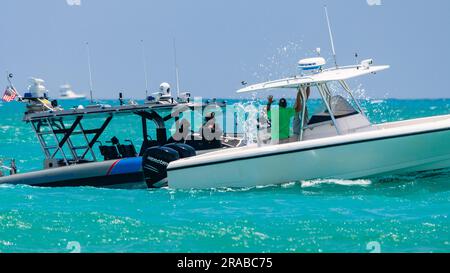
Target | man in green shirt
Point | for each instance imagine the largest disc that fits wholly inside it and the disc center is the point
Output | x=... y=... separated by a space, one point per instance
x=281 y=130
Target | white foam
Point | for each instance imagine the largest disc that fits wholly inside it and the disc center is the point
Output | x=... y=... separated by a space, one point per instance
x=6 y=186
x=341 y=182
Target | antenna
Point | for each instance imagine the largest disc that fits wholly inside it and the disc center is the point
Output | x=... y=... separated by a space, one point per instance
x=331 y=36
x=90 y=71
x=9 y=76
x=144 y=60
x=176 y=67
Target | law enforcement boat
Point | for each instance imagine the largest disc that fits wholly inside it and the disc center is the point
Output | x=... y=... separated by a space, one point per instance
x=76 y=155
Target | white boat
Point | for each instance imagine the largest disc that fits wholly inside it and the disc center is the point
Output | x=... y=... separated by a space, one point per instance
x=339 y=142
x=66 y=93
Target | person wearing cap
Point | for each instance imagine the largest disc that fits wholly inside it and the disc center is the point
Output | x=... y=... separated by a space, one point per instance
x=282 y=134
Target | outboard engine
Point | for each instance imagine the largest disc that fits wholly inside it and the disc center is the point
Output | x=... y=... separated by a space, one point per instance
x=156 y=159
x=154 y=164
x=183 y=150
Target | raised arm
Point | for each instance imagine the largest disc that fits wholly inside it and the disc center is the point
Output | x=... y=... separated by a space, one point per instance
x=269 y=102
x=298 y=101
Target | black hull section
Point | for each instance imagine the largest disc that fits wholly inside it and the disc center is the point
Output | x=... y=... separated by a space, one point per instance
x=148 y=171
x=122 y=174
x=126 y=181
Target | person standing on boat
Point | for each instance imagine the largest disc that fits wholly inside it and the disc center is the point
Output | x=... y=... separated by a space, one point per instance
x=281 y=120
x=211 y=130
x=299 y=108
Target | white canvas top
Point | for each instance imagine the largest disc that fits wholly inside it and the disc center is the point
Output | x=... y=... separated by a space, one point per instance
x=339 y=74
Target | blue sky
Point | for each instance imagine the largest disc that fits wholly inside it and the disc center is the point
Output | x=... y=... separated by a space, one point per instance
x=222 y=42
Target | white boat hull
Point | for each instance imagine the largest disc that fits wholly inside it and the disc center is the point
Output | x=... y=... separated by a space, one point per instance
x=77 y=97
x=417 y=145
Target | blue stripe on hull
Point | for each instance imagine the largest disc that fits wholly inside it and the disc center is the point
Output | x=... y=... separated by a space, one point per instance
x=127 y=165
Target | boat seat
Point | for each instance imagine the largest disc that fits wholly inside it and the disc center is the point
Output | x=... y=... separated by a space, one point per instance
x=127 y=150
x=319 y=118
x=340 y=107
x=109 y=152
x=203 y=144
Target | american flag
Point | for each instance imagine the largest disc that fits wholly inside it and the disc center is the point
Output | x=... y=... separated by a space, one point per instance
x=10 y=94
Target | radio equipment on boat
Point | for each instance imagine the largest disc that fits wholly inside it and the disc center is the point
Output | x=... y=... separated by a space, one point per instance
x=311 y=64
x=88 y=51
x=37 y=98
x=184 y=97
x=365 y=64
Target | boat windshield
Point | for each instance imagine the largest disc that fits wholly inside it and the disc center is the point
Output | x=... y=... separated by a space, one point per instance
x=340 y=108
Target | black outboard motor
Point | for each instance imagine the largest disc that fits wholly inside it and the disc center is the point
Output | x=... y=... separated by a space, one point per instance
x=156 y=159
x=183 y=150
x=154 y=164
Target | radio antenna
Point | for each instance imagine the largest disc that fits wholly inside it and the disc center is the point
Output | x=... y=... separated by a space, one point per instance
x=144 y=60
x=90 y=71
x=176 y=67
x=331 y=36
x=9 y=76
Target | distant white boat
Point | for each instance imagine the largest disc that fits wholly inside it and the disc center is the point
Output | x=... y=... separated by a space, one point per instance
x=66 y=93
x=377 y=101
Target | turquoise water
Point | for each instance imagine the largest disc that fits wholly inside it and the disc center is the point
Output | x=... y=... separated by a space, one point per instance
x=407 y=213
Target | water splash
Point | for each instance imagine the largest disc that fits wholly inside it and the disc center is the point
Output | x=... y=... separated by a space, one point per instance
x=248 y=115
x=378 y=110
x=281 y=63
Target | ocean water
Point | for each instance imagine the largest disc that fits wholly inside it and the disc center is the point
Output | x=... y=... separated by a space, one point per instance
x=404 y=213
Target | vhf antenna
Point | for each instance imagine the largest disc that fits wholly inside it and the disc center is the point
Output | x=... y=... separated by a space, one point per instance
x=176 y=67
x=144 y=60
x=331 y=36
x=9 y=76
x=90 y=71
